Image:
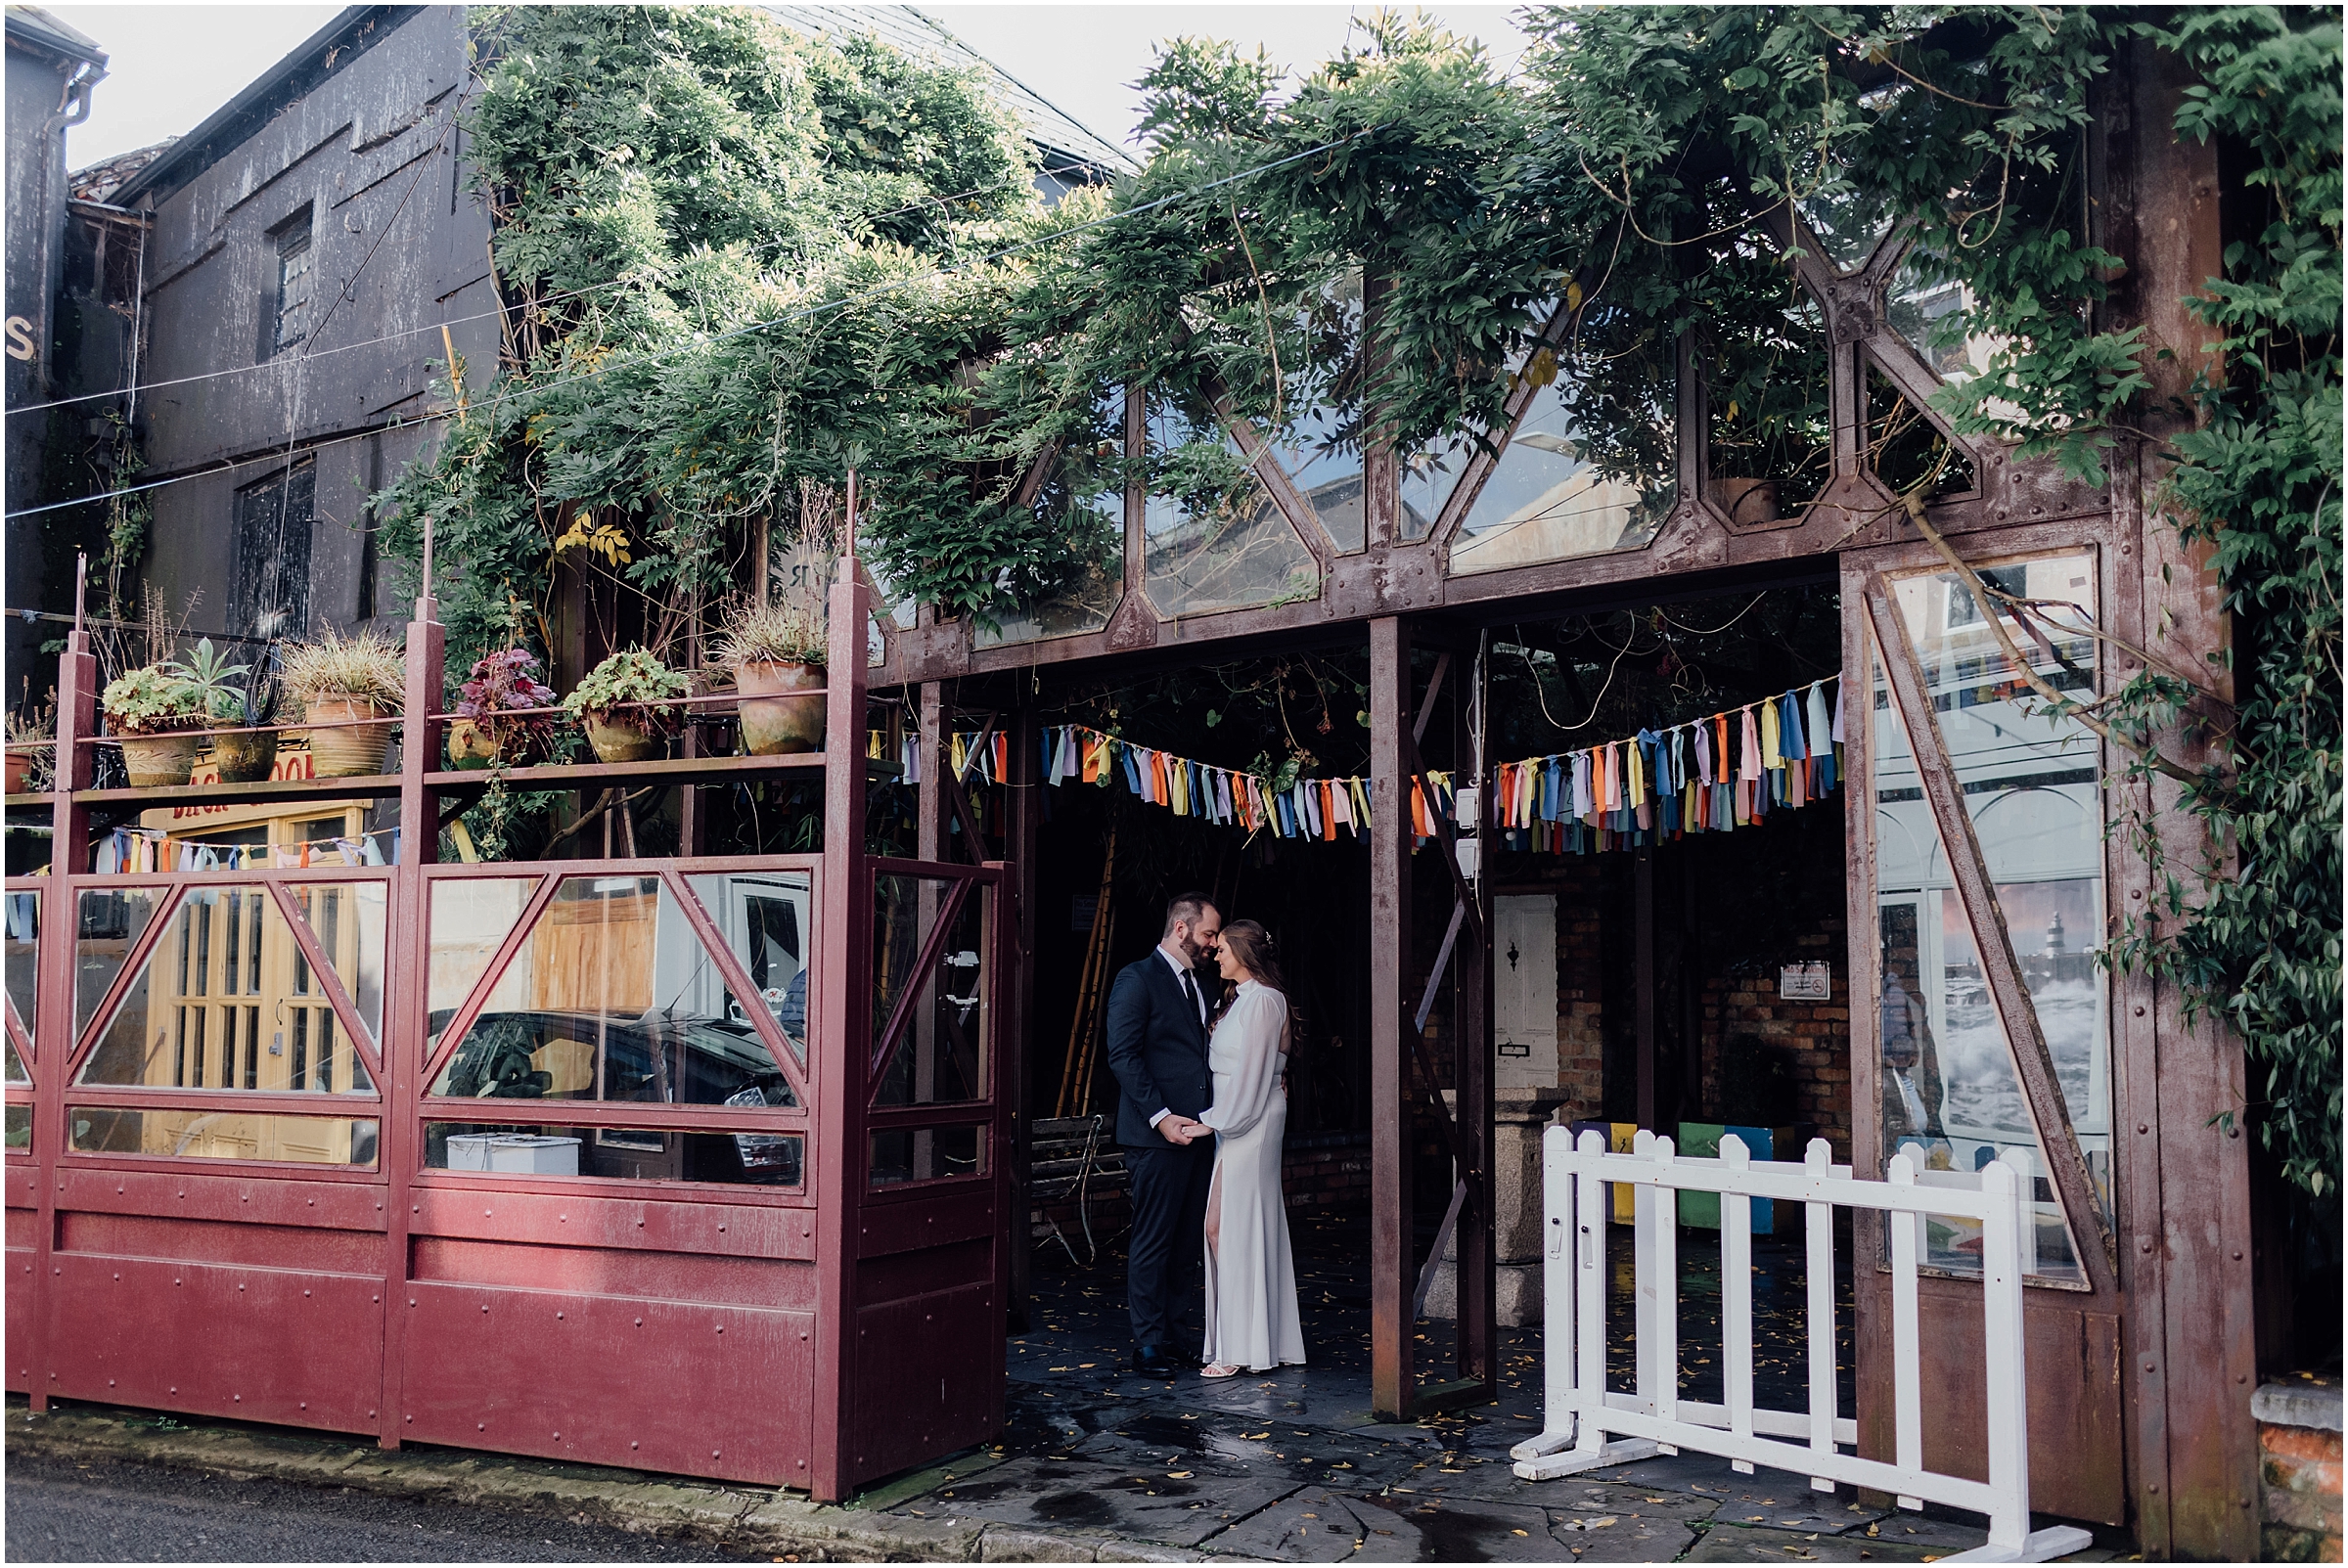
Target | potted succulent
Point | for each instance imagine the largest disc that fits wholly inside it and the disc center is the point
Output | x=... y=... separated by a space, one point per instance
x=627 y=705
x=488 y=728
x=777 y=653
x=346 y=685
x=247 y=750
x=224 y=695
x=159 y=719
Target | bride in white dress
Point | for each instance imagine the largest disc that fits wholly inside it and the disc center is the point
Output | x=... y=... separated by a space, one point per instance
x=1250 y=1277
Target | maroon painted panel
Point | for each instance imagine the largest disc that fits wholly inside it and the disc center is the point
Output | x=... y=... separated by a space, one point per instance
x=484 y=1213
x=261 y=1246
x=930 y=1221
x=21 y=1300
x=617 y=1272
x=256 y=1344
x=333 y=1204
x=923 y=1387
x=657 y=1385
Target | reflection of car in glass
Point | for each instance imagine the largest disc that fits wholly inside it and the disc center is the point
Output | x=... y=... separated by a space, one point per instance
x=657 y=1059
x=583 y=1056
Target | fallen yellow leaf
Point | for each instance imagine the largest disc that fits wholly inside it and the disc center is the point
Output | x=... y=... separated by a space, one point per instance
x=1177 y=1475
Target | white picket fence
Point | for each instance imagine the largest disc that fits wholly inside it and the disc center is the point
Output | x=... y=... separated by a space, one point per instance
x=1587 y=1427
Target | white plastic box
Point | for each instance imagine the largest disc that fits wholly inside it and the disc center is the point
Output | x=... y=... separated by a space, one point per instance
x=533 y=1154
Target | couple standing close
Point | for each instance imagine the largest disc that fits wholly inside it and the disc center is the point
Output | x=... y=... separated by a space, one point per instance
x=1202 y=1078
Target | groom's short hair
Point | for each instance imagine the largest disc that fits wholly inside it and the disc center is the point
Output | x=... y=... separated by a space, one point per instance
x=1185 y=908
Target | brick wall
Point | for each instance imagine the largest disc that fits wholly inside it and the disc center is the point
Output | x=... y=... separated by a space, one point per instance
x=1581 y=1013
x=1814 y=1037
x=2299 y=1472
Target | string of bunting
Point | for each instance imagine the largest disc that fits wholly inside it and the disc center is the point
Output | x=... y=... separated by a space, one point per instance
x=1724 y=771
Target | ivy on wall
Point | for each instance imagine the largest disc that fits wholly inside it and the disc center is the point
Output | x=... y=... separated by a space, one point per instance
x=741 y=259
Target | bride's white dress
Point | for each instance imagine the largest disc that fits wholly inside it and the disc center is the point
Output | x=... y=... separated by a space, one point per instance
x=1250 y=1277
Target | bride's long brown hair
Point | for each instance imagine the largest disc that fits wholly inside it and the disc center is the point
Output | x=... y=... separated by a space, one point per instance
x=1252 y=944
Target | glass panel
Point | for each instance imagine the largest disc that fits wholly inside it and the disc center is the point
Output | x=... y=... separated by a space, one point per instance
x=927 y=1153
x=767 y=918
x=226 y=1000
x=1319 y=442
x=111 y=923
x=346 y=919
x=207 y=1135
x=469 y=917
x=618 y=1153
x=2032 y=784
x=1849 y=223
x=1593 y=465
x=1082 y=497
x=1906 y=448
x=20 y=1126
x=23 y=960
x=1212 y=538
x=612 y=997
x=1761 y=341
x=942 y=1056
x=16 y=1066
x=1930 y=309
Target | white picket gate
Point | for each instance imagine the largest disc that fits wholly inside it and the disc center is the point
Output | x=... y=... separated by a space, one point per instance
x=1586 y=1426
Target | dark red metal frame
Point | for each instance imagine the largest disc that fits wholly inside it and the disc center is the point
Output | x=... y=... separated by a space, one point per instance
x=887 y=1306
x=717 y=1330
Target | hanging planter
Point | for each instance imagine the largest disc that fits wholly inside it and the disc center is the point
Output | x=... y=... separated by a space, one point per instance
x=350 y=688
x=777 y=653
x=627 y=705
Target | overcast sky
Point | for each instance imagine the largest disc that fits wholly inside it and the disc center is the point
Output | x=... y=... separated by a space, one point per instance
x=172 y=65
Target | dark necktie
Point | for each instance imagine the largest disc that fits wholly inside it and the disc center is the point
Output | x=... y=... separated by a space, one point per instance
x=1190 y=993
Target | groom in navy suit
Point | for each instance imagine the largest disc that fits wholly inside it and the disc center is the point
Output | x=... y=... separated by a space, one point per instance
x=1158 y=1015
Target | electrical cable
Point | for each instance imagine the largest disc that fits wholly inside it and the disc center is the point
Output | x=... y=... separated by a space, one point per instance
x=702 y=340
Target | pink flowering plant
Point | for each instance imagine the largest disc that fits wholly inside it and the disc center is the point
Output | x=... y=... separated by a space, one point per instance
x=503 y=688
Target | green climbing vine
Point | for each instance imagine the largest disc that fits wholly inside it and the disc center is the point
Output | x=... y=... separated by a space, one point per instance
x=740 y=261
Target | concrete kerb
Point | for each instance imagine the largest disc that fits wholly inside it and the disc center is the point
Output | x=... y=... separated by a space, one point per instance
x=743 y=1518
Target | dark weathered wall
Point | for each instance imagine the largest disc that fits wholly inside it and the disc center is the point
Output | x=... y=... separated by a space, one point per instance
x=36 y=206
x=399 y=248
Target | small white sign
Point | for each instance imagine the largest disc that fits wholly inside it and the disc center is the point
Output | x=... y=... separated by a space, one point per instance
x=1806 y=982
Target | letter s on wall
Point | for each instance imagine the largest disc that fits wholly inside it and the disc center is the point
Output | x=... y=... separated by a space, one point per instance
x=20 y=339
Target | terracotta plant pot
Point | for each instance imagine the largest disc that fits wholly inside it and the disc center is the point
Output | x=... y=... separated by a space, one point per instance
x=1746 y=501
x=19 y=772
x=154 y=761
x=348 y=751
x=622 y=742
x=774 y=723
x=245 y=758
x=470 y=746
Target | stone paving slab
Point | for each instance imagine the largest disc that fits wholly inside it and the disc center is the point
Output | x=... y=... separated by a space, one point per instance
x=1728 y=1543
x=1173 y=1507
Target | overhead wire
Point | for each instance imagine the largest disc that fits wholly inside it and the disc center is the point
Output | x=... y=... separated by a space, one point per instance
x=703 y=340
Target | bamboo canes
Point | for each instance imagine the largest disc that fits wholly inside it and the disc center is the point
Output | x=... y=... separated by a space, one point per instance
x=1088 y=981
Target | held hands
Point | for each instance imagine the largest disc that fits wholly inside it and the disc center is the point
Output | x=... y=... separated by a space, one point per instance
x=1181 y=1130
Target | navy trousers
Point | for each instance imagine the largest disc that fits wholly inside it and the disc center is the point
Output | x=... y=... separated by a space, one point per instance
x=1167 y=1255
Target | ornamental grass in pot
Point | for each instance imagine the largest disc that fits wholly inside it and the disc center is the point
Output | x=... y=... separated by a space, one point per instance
x=492 y=727
x=159 y=719
x=345 y=686
x=32 y=746
x=777 y=653
x=628 y=705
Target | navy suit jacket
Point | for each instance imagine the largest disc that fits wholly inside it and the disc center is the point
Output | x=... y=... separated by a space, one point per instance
x=1156 y=1048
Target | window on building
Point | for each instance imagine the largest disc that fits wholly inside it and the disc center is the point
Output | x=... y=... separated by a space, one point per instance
x=271 y=597
x=293 y=238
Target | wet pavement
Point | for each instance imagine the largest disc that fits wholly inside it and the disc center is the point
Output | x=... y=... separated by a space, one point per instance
x=1292 y=1468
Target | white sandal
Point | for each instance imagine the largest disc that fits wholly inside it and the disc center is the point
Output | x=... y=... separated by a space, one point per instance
x=1219 y=1370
